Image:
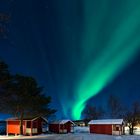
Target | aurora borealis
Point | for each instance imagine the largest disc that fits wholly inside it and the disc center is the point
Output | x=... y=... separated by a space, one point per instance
x=117 y=46
x=75 y=48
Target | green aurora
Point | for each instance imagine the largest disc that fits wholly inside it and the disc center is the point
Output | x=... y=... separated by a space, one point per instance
x=106 y=34
x=116 y=54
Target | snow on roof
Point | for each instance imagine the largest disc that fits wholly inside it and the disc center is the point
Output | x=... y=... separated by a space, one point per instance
x=40 y=117
x=32 y=119
x=62 y=122
x=9 y=119
x=107 y=121
x=65 y=121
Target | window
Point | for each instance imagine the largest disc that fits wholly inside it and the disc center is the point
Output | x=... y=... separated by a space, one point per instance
x=117 y=128
x=28 y=124
x=34 y=124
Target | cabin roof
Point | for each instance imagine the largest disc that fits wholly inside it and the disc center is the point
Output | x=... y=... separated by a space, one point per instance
x=62 y=122
x=26 y=119
x=107 y=121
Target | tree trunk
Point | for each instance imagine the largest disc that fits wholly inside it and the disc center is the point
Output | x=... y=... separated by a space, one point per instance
x=131 y=130
x=21 y=124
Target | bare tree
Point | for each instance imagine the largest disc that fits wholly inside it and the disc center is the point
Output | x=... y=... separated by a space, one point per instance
x=115 y=107
x=132 y=117
x=93 y=112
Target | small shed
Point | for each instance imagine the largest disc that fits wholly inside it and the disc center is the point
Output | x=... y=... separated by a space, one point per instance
x=81 y=123
x=31 y=126
x=107 y=126
x=61 y=126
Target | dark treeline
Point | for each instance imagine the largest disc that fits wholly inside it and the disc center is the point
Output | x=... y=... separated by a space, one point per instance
x=21 y=96
x=115 y=110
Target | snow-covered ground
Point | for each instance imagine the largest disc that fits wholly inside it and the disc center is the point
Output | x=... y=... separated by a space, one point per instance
x=78 y=136
x=80 y=133
x=79 y=129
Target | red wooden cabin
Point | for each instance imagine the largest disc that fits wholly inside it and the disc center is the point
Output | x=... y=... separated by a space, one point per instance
x=107 y=126
x=31 y=126
x=62 y=126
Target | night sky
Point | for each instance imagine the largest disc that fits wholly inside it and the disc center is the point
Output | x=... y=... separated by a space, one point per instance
x=81 y=51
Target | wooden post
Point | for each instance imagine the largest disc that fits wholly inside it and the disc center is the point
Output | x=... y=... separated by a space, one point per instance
x=112 y=129
x=62 y=128
x=59 y=129
x=31 y=128
x=38 y=127
x=21 y=123
x=120 y=130
x=25 y=127
x=7 y=128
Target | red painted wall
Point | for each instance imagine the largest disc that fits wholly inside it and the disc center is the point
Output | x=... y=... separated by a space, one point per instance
x=38 y=124
x=101 y=129
x=68 y=127
x=55 y=127
x=14 y=128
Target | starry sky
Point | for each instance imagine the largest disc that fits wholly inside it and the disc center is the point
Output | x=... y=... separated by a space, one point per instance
x=81 y=51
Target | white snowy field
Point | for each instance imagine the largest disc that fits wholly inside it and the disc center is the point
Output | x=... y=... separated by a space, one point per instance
x=78 y=136
x=80 y=133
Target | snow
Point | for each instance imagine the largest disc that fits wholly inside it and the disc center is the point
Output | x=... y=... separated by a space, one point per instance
x=62 y=122
x=136 y=130
x=80 y=133
x=79 y=129
x=75 y=136
x=107 y=121
x=65 y=121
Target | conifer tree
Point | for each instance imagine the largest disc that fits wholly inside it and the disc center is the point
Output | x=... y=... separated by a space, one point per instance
x=22 y=97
